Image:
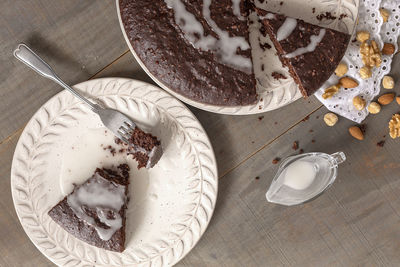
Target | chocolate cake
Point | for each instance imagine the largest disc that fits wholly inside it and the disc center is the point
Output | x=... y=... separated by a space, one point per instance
x=95 y=211
x=144 y=147
x=199 y=49
x=310 y=52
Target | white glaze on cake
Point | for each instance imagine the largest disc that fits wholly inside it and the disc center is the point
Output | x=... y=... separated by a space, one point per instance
x=286 y=29
x=102 y=196
x=315 y=40
x=226 y=46
x=236 y=9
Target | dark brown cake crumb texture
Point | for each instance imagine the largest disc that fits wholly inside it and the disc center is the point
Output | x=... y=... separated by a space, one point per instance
x=295 y=145
x=275 y=160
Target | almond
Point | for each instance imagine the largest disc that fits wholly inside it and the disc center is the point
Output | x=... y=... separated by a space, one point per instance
x=386 y=99
x=348 y=82
x=356 y=133
x=398 y=100
x=388 y=49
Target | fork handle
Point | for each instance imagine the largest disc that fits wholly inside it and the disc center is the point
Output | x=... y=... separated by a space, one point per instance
x=32 y=60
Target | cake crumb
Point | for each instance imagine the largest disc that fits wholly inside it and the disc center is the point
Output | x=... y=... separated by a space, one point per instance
x=257 y=177
x=265 y=46
x=381 y=143
x=326 y=15
x=306 y=118
x=260 y=118
x=275 y=160
x=281 y=3
x=311 y=131
x=313 y=141
x=295 y=145
x=301 y=151
x=313 y=10
x=278 y=76
x=276 y=123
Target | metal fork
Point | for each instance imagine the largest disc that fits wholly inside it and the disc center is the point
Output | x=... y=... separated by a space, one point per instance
x=115 y=121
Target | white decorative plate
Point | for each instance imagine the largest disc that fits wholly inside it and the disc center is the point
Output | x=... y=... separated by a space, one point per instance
x=170 y=205
x=273 y=94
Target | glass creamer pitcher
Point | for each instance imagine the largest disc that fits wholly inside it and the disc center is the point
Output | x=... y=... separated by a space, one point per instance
x=304 y=177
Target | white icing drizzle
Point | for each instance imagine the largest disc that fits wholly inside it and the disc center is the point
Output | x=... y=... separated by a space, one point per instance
x=236 y=9
x=286 y=29
x=104 y=197
x=268 y=16
x=315 y=40
x=226 y=46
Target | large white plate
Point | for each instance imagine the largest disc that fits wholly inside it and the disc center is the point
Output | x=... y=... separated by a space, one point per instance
x=273 y=94
x=170 y=205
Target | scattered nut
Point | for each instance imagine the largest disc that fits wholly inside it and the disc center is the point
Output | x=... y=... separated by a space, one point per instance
x=331 y=119
x=388 y=49
x=359 y=102
x=356 y=133
x=388 y=82
x=376 y=55
x=365 y=72
x=341 y=69
x=370 y=54
x=374 y=108
x=363 y=36
x=398 y=100
x=385 y=14
x=394 y=126
x=348 y=82
x=386 y=99
x=331 y=91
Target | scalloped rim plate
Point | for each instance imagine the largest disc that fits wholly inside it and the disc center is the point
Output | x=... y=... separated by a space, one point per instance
x=170 y=205
x=272 y=94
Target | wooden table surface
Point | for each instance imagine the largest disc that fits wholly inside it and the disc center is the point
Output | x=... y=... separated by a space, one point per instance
x=356 y=222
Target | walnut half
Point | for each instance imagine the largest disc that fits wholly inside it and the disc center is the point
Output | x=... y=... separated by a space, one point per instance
x=394 y=126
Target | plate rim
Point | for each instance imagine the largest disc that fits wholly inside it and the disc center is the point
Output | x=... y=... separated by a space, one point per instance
x=140 y=83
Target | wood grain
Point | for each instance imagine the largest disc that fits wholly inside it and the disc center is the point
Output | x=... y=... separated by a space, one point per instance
x=77 y=38
x=355 y=223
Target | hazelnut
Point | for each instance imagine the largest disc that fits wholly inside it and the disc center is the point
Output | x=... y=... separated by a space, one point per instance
x=385 y=14
x=365 y=72
x=330 y=119
x=359 y=102
x=374 y=108
x=394 y=126
x=388 y=82
x=363 y=36
x=341 y=69
x=388 y=49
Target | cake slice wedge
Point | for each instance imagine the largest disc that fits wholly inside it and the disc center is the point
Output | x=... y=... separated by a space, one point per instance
x=309 y=51
x=95 y=211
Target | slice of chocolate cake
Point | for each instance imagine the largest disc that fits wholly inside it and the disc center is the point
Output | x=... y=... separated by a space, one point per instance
x=95 y=211
x=310 y=52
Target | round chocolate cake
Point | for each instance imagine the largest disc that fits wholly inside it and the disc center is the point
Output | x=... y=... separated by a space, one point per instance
x=200 y=48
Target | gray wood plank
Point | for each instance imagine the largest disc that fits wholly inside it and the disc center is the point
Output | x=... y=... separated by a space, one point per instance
x=355 y=223
x=78 y=38
x=230 y=136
